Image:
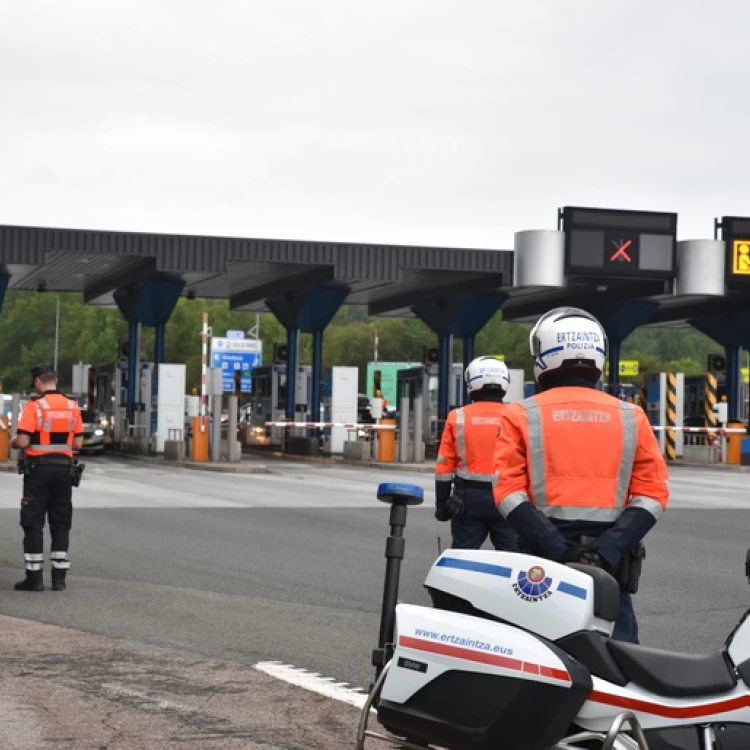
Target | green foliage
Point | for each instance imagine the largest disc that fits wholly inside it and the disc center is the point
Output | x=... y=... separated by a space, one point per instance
x=91 y=334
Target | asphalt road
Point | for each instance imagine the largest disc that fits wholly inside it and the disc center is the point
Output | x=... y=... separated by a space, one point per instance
x=289 y=566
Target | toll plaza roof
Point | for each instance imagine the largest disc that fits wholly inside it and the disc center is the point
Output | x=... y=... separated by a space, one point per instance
x=597 y=298
x=389 y=279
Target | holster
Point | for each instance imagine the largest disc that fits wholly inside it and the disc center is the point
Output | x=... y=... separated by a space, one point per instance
x=25 y=466
x=628 y=570
x=76 y=471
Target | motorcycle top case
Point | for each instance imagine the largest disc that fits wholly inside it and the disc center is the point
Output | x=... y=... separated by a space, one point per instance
x=465 y=682
x=535 y=594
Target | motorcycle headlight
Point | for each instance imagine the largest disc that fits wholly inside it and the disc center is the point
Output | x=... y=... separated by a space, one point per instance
x=98 y=433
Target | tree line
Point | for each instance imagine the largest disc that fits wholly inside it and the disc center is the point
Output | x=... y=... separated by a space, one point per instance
x=93 y=334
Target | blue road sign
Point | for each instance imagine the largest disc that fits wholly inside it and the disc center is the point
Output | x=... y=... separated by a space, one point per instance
x=236 y=354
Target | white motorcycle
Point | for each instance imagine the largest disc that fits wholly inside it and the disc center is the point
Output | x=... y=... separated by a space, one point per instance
x=516 y=654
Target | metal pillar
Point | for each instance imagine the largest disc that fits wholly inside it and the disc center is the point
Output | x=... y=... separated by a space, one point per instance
x=418 y=430
x=733 y=382
x=160 y=345
x=292 y=339
x=614 y=363
x=233 y=446
x=469 y=342
x=15 y=408
x=445 y=367
x=317 y=374
x=216 y=404
x=132 y=367
x=403 y=431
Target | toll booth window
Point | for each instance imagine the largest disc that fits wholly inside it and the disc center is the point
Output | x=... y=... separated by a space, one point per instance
x=281 y=400
x=261 y=387
x=432 y=397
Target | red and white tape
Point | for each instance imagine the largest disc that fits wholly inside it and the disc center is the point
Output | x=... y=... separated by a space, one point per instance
x=712 y=430
x=333 y=424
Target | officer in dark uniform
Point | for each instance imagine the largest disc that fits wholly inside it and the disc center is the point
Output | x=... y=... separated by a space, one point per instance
x=49 y=432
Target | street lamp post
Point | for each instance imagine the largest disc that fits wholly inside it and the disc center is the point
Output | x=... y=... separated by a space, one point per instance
x=57 y=330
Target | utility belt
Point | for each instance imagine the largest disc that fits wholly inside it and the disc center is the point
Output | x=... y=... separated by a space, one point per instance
x=51 y=459
x=466 y=484
x=28 y=464
x=628 y=570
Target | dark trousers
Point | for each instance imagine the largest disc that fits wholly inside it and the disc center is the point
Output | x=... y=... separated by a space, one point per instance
x=47 y=495
x=479 y=520
x=626 y=626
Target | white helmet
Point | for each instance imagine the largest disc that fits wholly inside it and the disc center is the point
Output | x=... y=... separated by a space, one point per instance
x=568 y=337
x=488 y=372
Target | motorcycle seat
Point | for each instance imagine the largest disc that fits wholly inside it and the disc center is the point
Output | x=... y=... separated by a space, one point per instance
x=672 y=674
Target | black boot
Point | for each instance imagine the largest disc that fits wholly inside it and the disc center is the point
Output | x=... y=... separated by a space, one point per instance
x=32 y=582
x=58 y=579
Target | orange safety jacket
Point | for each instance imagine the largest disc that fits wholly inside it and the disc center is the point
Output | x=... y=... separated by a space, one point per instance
x=578 y=454
x=468 y=443
x=52 y=421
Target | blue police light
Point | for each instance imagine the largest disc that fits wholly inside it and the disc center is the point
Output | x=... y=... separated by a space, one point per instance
x=401 y=493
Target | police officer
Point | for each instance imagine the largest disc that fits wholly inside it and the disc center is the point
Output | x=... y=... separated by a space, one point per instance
x=579 y=473
x=463 y=474
x=49 y=431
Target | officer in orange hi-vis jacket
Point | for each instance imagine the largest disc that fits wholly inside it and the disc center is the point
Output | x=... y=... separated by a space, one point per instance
x=49 y=431
x=464 y=469
x=579 y=473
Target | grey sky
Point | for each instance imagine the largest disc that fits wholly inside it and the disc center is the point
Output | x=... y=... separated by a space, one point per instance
x=383 y=121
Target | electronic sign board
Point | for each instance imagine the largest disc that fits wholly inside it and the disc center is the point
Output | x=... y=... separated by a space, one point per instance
x=735 y=232
x=606 y=243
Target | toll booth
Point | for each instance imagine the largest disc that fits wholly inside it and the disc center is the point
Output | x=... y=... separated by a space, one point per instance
x=268 y=402
x=111 y=400
x=623 y=391
x=423 y=381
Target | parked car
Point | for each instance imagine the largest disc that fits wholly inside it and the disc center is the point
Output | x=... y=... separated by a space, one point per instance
x=93 y=432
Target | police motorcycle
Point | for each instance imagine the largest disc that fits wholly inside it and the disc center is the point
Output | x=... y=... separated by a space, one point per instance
x=515 y=654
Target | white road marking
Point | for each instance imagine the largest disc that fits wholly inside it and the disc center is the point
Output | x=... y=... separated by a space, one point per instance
x=312 y=681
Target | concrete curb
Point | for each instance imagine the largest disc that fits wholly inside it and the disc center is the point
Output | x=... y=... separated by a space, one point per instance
x=225 y=468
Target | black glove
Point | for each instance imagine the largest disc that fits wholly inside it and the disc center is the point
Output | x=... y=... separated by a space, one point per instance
x=582 y=553
x=592 y=558
x=441 y=511
x=455 y=503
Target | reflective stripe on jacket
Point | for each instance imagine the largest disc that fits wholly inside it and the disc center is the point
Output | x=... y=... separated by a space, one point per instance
x=53 y=421
x=468 y=443
x=578 y=454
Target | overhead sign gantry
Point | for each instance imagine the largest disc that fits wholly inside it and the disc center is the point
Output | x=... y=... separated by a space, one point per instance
x=613 y=263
